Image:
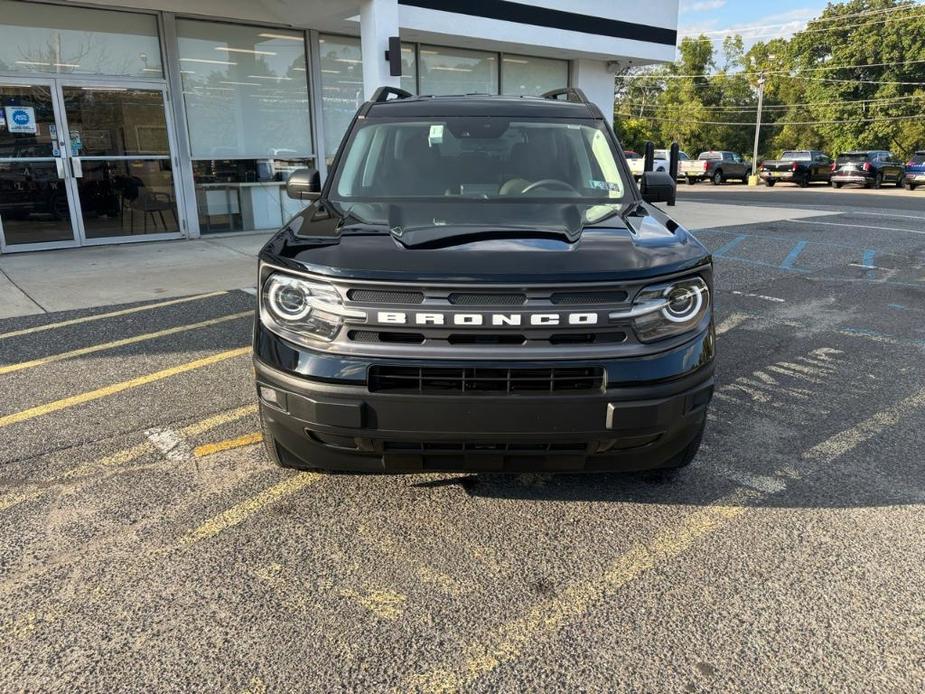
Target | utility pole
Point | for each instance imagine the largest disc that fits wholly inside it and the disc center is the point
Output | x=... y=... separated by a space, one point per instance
x=758 y=124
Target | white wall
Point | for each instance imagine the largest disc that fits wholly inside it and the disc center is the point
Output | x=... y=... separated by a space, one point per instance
x=593 y=78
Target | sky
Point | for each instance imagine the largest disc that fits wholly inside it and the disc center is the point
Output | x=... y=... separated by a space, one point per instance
x=754 y=20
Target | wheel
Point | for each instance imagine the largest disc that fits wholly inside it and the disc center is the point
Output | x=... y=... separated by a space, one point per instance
x=803 y=183
x=717 y=178
x=770 y=184
x=690 y=181
x=878 y=180
x=836 y=184
x=899 y=181
x=908 y=185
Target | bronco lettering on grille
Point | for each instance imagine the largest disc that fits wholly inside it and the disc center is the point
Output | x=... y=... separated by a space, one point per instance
x=476 y=320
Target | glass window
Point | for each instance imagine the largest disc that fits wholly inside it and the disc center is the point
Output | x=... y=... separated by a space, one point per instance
x=521 y=75
x=458 y=71
x=479 y=157
x=245 y=90
x=409 y=69
x=244 y=194
x=75 y=40
x=341 y=87
x=246 y=94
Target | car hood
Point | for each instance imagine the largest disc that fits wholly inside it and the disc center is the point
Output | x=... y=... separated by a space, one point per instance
x=643 y=242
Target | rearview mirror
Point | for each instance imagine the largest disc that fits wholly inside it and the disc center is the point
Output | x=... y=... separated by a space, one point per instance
x=304 y=184
x=657 y=186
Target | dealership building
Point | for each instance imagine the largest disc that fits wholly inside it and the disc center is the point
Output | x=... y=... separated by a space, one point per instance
x=141 y=120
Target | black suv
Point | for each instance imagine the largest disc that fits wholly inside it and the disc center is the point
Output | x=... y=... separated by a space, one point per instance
x=479 y=285
x=869 y=168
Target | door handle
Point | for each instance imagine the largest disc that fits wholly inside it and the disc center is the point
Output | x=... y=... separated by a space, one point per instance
x=59 y=165
x=77 y=167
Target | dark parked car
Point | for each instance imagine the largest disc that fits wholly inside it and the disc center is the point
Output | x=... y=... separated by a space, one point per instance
x=915 y=171
x=800 y=166
x=870 y=169
x=480 y=285
x=717 y=167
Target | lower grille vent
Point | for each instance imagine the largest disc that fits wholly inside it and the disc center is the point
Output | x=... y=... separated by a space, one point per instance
x=443 y=447
x=434 y=380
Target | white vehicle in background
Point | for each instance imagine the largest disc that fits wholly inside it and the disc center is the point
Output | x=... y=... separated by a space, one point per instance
x=659 y=163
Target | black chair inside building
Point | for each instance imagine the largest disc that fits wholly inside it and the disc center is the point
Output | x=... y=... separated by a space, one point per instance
x=136 y=197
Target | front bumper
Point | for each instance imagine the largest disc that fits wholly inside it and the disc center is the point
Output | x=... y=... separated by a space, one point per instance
x=631 y=426
x=917 y=178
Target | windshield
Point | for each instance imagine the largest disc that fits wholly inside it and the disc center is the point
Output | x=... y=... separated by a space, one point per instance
x=852 y=157
x=796 y=156
x=708 y=156
x=918 y=158
x=424 y=168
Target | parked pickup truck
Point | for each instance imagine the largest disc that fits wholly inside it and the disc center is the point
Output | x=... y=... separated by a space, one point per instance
x=915 y=171
x=637 y=163
x=800 y=166
x=660 y=162
x=535 y=312
x=716 y=167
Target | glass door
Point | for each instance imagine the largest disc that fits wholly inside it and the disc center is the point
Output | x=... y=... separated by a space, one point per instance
x=35 y=184
x=119 y=145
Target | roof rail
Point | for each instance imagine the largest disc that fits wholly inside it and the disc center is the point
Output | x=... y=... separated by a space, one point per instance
x=572 y=94
x=383 y=93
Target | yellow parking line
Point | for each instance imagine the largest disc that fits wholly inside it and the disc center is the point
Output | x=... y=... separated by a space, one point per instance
x=216 y=421
x=510 y=640
x=240 y=512
x=227 y=444
x=731 y=323
x=10 y=368
x=111 y=314
x=836 y=446
x=106 y=391
x=128 y=455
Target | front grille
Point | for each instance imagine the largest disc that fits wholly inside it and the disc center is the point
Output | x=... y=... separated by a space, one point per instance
x=588 y=298
x=385 y=296
x=501 y=321
x=461 y=299
x=450 y=381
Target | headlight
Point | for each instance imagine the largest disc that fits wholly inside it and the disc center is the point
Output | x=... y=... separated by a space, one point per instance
x=670 y=309
x=298 y=308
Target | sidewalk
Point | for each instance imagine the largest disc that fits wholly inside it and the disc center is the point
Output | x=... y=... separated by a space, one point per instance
x=48 y=281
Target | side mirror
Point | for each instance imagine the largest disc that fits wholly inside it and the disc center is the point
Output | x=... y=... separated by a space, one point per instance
x=304 y=184
x=657 y=186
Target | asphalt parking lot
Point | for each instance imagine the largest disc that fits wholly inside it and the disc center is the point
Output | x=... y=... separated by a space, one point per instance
x=148 y=544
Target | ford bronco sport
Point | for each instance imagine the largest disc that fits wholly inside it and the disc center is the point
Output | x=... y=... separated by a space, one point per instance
x=480 y=286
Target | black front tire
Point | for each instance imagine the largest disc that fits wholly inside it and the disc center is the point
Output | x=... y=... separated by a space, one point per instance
x=836 y=184
x=691 y=181
x=803 y=182
x=878 y=181
x=717 y=178
x=770 y=184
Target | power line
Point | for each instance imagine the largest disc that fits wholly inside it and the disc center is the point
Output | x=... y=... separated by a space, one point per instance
x=785 y=107
x=782 y=73
x=776 y=124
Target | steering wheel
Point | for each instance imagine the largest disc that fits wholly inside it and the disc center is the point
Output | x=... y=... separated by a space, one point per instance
x=553 y=182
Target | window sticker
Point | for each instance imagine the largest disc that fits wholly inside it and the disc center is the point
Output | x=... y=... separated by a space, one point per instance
x=436 y=135
x=21 y=119
x=595 y=184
